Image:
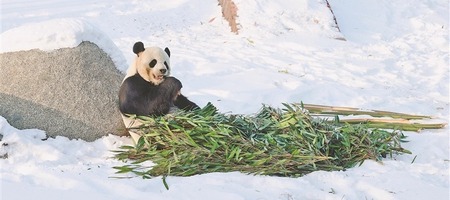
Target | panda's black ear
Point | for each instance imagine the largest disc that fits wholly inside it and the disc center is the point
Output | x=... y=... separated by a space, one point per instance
x=138 y=47
x=167 y=51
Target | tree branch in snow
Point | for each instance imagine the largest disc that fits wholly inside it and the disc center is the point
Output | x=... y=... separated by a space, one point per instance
x=229 y=12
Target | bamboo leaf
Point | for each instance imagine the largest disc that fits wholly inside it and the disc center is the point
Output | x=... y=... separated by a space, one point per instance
x=165 y=182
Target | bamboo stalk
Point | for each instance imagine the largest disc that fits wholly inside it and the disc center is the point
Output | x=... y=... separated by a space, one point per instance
x=400 y=121
x=375 y=120
x=336 y=110
x=400 y=124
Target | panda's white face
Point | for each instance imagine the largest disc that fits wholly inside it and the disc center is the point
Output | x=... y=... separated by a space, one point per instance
x=153 y=64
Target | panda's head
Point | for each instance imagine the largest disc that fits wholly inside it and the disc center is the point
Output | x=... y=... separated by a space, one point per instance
x=152 y=63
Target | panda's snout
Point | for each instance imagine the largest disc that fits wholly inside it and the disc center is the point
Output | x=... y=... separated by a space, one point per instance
x=163 y=71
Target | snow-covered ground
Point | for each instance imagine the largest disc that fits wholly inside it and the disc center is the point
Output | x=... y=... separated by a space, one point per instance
x=395 y=57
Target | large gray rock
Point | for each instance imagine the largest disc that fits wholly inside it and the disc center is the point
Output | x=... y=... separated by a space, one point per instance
x=70 y=92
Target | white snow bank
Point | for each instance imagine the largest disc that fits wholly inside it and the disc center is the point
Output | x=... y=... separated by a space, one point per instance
x=49 y=162
x=59 y=33
x=275 y=18
x=372 y=21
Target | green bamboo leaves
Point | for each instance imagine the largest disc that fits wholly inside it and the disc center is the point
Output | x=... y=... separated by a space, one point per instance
x=280 y=142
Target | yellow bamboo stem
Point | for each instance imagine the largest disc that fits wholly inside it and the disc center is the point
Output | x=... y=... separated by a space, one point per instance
x=337 y=110
x=400 y=121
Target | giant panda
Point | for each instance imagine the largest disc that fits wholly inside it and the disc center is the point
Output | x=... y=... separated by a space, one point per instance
x=148 y=89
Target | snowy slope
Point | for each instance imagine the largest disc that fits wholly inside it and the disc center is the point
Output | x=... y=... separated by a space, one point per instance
x=395 y=57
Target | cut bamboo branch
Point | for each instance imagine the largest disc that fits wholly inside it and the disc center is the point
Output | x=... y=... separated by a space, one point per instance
x=399 y=121
x=336 y=110
x=399 y=124
x=375 y=120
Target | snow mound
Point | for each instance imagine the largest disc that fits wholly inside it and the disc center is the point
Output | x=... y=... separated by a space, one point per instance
x=281 y=17
x=59 y=33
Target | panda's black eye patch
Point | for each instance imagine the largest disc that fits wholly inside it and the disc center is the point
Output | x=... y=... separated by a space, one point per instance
x=165 y=63
x=153 y=63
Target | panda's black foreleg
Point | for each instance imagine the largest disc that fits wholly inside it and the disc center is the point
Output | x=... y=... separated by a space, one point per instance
x=184 y=103
x=172 y=87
